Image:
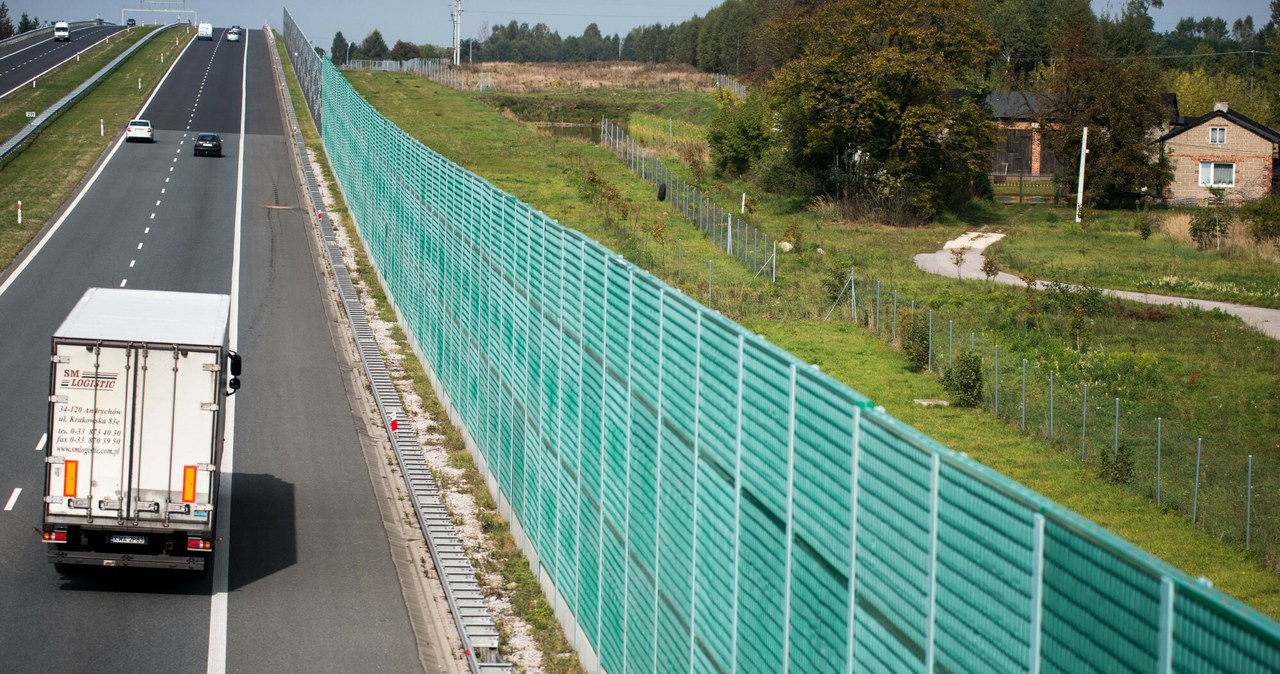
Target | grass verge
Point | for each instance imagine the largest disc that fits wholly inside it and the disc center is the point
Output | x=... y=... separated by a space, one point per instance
x=45 y=173
x=505 y=557
x=549 y=175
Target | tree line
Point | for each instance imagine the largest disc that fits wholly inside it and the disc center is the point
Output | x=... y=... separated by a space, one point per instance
x=25 y=23
x=886 y=107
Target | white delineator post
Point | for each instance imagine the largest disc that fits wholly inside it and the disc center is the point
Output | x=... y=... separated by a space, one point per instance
x=19 y=212
x=1084 y=150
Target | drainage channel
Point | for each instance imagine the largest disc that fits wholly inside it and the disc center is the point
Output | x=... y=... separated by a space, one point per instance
x=466 y=600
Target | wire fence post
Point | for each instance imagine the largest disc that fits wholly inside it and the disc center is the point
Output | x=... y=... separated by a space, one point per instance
x=929 y=362
x=1157 y=461
x=1195 y=500
x=995 y=387
x=877 y=307
x=1024 y=395
x=1050 y=405
x=971 y=342
x=894 y=322
x=853 y=296
x=1115 y=441
x=1248 y=505
x=1084 y=418
x=950 y=331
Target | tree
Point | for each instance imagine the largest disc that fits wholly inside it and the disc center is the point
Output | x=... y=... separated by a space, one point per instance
x=737 y=135
x=1119 y=104
x=339 y=49
x=403 y=51
x=861 y=101
x=26 y=23
x=374 y=47
x=6 y=22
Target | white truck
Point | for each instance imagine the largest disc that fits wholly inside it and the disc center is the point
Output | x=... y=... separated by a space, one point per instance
x=204 y=31
x=61 y=32
x=137 y=398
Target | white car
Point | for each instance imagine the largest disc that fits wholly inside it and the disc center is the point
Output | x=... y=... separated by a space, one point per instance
x=233 y=35
x=139 y=129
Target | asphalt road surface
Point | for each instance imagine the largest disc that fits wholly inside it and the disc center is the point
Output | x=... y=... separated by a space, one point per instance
x=307 y=582
x=20 y=62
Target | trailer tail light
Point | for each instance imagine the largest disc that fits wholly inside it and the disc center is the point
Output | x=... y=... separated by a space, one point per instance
x=199 y=544
x=55 y=537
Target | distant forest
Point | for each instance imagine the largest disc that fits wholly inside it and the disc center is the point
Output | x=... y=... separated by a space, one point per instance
x=732 y=39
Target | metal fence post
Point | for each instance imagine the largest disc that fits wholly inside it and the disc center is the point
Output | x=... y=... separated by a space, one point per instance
x=1248 y=505
x=877 y=308
x=931 y=636
x=893 y=323
x=853 y=296
x=737 y=513
x=1195 y=500
x=1157 y=461
x=1024 y=395
x=1115 y=441
x=995 y=387
x=929 y=362
x=1084 y=419
x=1050 y=405
x=852 y=589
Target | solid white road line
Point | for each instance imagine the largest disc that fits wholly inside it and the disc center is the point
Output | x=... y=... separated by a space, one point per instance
x=13 y=499
x=75 y=202
x=217 y=657
x=43 y=439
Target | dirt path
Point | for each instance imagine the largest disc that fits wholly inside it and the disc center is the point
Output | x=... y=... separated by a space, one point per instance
x=1266 y=321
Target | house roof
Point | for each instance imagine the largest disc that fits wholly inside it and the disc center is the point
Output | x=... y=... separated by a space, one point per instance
x=1016 y=104
x=1229 y=115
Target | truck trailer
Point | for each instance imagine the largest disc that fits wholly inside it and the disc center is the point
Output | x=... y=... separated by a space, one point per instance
x=137 y=404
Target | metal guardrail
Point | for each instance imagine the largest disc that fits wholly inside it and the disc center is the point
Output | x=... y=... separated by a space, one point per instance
x=39 y=32
x=16 y=141
x=466 y=599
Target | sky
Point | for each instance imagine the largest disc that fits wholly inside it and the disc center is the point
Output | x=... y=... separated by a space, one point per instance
x=427 y=21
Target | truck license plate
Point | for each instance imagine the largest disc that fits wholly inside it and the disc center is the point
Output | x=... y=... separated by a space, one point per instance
x=121 y=538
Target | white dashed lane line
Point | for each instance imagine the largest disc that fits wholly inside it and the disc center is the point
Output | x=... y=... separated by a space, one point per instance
x=139 y=245
x=123 y=281
x=13 y=498
x=131 y=263
x=43 y=439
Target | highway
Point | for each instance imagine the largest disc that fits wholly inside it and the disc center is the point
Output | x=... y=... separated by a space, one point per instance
x=20 y=62
x=303 y=578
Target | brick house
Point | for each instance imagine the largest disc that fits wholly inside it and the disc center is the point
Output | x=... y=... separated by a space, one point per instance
x=1019 y=150
x=1222 y=149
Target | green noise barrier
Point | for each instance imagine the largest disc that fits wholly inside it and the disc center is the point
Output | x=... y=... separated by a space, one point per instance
x=695 y=499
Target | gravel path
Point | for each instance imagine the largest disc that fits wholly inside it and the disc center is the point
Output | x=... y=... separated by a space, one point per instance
x=1266 y=321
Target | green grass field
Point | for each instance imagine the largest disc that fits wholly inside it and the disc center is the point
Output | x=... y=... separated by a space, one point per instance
x=44 y=174
x=1216 y=388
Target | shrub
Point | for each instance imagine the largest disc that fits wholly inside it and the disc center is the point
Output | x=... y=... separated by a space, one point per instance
x=836 y=281
x=915 y=342
x=1263 y=219
x=1117 y=469
x=1212 y=221
x=963 y=379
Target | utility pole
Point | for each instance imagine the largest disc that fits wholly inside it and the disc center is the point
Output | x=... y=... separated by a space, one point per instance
x=457 y=32
x=1084 y=150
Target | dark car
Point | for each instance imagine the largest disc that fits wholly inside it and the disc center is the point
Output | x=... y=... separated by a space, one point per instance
x=131 y=23
x=208 y=143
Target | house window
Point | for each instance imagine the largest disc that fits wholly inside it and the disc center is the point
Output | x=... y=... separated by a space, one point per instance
x=1218 y=135
x=1217 y=174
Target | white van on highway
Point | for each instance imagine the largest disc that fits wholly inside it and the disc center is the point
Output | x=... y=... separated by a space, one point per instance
x=61 y=32
x=204 y=31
